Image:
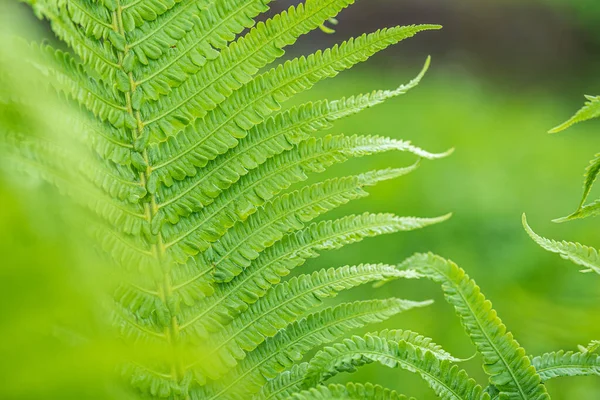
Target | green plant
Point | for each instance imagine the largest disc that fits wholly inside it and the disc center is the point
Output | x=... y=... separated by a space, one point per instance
x=183 y=158
x=512 y=373
x=212 y=310
x=582 y=255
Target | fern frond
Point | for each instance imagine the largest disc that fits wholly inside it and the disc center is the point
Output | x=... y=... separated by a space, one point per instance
x=589 y=111
x=592 y=209
x=447 y=380
x=211 y=29
x=195 y=233
x=289 y=346
x=282 y=305
x=588 y=210
x=95 y=19
x=284 y=385
x=506 y=363
x=220 y=130
x=566 y=363
x=350 y=391
x=292 y=251
x=277 y=134
x=579 y=254
x=244 y=242
x=591 y=173
x=236 y=65
x=181 y=155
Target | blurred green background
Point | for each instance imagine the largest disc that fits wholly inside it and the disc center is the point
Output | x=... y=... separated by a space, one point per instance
x=503 y=73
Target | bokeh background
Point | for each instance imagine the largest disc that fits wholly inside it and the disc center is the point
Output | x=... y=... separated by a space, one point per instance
x=503 y=74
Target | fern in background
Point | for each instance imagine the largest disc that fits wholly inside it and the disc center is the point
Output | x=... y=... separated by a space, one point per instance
x=584 y=256
x=183 y=158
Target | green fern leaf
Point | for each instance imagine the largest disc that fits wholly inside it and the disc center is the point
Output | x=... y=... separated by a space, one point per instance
x=350 y=391
x=582 y=255
x=290 y=345
x=237 y=63
x=179 y=155
x=284 y=385
x=194 y=234
x=589 y=111
x=292 y=251
x=283 y=304
x=447 y=380
x=505 y=361
x=272 y=137
x=243 y=243
x=566 y=363
x=248 y=106
x=212 y=29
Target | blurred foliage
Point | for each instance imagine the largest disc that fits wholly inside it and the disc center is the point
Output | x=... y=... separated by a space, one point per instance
x=587 y=11
x=56 y=341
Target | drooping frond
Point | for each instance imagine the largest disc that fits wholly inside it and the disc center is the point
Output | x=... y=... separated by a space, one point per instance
x=509 y=368
x=582 y=255
x=350 y=391
x=446 y=379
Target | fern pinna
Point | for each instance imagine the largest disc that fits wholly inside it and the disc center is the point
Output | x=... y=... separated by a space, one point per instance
x=584 y=256
x=189 y=165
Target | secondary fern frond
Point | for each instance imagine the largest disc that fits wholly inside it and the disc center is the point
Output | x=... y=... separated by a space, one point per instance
x=506 y=363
